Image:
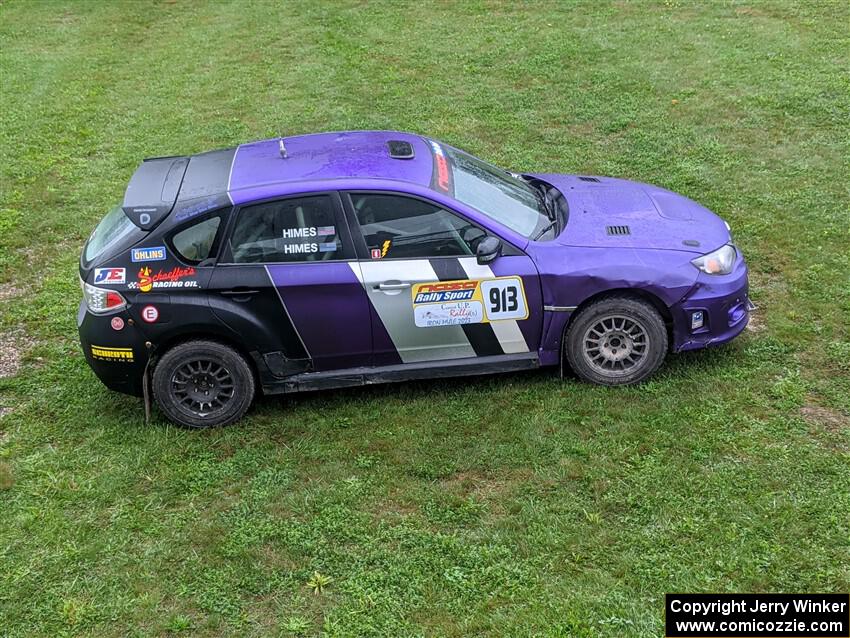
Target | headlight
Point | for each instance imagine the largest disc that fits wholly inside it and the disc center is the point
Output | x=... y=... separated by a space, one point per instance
x=718 y=262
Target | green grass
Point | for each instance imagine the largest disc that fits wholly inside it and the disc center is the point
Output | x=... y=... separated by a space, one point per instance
x=517 y=505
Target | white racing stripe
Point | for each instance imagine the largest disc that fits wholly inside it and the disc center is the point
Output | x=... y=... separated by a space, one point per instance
x=395 y=310
x=507 y=331
x=355 y=268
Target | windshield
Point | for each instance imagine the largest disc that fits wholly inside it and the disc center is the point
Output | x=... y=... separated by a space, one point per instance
x=497 y=193
x=114 y=229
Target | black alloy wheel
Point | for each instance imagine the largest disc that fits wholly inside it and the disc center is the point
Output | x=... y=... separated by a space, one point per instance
x=200 y=384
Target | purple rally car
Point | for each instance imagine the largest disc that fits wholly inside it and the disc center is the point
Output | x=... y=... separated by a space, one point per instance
x=344 y=259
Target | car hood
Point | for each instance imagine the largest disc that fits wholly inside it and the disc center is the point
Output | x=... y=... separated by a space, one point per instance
x=617 y=213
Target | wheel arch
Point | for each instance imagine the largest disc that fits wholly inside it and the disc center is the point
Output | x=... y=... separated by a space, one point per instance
x=634 y=293
x=175 y=339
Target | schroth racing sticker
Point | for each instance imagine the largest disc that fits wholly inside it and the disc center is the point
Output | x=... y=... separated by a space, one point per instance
x=112 y=354
x=452 y=303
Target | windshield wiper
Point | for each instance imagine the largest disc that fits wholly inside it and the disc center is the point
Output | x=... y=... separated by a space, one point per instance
x=545 y=229
x=546 y=204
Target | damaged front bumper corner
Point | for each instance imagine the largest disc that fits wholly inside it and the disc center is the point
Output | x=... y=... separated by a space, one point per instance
x=714 y=312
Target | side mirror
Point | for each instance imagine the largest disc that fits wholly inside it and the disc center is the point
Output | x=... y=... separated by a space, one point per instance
x=488 y=249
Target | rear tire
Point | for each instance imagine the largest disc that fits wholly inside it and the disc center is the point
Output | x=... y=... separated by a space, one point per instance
x=203 y=384
x=616 y=341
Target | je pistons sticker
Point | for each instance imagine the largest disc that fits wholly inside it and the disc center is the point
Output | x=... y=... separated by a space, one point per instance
x=109 y=275
x=452 y=303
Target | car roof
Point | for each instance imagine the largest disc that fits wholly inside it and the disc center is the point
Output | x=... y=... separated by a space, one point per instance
x=329 y=156
x=183 y=187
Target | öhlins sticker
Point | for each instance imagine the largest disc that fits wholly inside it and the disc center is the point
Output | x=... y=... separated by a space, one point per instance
x=452 y=303
x=112 y=354
x=150 y=253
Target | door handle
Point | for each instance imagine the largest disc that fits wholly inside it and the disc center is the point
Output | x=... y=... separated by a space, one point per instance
x=239 y=294
x=389 y=286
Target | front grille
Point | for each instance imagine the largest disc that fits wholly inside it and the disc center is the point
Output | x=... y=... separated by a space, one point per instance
x=619 y=230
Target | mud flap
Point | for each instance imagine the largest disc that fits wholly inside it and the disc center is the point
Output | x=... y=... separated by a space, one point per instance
x=146 y=386
x=563 y=355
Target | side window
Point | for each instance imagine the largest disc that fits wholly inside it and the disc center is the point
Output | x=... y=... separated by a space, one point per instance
x=398 y=227
x=300 y=229
x=195 y=243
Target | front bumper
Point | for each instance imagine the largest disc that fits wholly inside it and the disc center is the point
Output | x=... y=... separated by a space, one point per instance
x=117 y=357
x=725 y=307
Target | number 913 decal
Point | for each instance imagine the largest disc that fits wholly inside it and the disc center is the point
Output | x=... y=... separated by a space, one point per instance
x=452 y=303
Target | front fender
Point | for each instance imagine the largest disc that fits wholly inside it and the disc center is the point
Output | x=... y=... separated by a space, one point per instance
x=581 y=273
x=570 y=276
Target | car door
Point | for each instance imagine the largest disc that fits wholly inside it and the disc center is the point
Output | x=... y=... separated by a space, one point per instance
x=430 y=299
x=286 y=283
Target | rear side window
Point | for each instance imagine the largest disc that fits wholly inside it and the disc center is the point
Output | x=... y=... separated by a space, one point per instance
x=114 y=232
x=195 y=243
x=299 y=229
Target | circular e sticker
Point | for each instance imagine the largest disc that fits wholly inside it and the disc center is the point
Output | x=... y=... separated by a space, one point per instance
x=150 y=314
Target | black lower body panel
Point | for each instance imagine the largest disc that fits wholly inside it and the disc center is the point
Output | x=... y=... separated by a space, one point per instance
x=352 y=377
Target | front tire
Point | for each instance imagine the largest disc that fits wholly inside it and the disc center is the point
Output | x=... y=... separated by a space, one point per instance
x=616 y=341
x=203 y=384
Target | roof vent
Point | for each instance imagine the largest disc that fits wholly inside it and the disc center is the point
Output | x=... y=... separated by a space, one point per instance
x=400 y=149
x=618 y=230
x=588 y=179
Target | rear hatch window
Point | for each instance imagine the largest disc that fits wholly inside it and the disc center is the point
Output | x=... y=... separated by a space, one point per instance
x=115 y=232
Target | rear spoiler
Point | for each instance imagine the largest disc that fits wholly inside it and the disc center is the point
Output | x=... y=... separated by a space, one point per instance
x=153 y=190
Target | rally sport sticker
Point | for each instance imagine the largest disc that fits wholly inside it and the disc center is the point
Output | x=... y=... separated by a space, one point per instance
x=452 y=303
